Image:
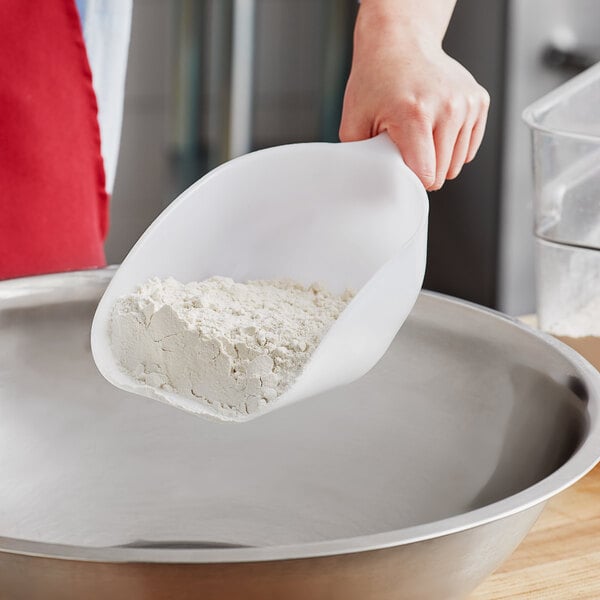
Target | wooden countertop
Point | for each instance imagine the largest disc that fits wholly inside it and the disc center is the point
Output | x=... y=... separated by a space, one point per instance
x=560 y=558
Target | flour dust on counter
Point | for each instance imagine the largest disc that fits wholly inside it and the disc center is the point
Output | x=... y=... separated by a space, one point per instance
x=234 y=347
x=584 y=322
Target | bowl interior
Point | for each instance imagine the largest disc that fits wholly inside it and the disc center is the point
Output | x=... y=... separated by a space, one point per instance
x=460 y=413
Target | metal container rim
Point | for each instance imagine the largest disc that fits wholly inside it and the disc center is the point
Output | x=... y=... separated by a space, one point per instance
x=532 y=113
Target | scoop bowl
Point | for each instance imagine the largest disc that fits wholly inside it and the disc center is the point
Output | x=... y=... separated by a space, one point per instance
x=349 y=215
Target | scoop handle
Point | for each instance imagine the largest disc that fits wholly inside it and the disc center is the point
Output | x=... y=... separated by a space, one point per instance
x=383 y=146
x=381 y=143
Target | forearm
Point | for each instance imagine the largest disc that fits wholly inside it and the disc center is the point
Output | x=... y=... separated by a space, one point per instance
x=425 y=20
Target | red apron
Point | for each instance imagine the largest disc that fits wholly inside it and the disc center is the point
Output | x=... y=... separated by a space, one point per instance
x=53 y=203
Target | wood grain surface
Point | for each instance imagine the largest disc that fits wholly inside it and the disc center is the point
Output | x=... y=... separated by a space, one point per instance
x=560 y=558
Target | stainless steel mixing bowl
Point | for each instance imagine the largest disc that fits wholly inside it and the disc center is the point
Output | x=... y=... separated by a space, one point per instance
x=415 y=482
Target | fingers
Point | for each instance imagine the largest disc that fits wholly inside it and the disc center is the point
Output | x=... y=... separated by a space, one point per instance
x=445 y=136
x=460 y=144
x=436 y=149
x=414 y=139
x=461 y=148
x=477 y=135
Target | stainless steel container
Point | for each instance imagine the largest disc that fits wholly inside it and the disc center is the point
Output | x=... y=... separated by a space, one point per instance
x=415 y=482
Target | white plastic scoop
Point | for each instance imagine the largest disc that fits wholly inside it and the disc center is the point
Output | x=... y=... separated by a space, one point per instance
x=349 y=215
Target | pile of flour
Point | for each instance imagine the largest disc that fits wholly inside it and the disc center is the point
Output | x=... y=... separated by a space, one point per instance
x=581 y=323
x=231 y=346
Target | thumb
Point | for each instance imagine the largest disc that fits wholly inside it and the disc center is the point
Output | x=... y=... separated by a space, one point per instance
x=354 y=125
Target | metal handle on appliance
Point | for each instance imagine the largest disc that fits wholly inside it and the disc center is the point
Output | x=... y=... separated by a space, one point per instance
x=574 y=59
x=242 y=61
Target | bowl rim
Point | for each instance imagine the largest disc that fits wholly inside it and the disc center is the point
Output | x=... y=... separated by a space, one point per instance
x=585 y=457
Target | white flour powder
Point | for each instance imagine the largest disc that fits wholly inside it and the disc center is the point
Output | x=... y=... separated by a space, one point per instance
x=581 y=323
x=231 y=346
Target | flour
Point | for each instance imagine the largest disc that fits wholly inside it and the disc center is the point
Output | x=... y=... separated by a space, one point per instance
x=234 y=347
x=581 y=323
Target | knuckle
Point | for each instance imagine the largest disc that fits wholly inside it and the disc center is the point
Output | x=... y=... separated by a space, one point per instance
x=451 y=106
x=472 y=101
x=416 y=108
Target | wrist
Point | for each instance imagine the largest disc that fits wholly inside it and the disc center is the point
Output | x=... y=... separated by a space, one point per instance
x=407 y=22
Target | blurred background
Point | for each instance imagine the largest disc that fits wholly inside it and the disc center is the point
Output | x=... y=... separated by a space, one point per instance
x=211 y=79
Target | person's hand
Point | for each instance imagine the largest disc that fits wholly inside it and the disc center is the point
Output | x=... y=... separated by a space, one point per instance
x=402 y=82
